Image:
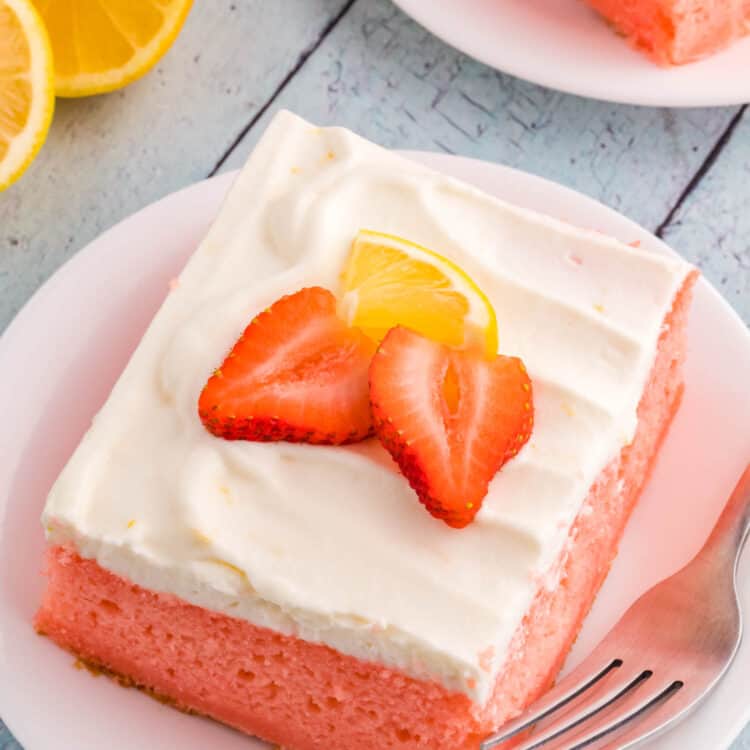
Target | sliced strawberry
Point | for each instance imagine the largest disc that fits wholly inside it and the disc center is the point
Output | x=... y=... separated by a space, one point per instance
x=297 y=373
x=449 y=418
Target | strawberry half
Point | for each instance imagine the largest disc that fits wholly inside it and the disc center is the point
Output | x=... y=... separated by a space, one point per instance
x=297 y=373
x=449 y=418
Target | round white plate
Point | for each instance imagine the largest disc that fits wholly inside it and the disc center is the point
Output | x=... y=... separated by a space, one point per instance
x=64 y=351
x=563 y=44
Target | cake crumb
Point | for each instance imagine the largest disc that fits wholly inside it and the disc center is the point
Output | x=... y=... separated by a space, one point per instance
x=330 y=156
x=295 y=170
x=635 y=243
x=486 y=657
x=599 y=308
x=131 y=523
x=90 y=668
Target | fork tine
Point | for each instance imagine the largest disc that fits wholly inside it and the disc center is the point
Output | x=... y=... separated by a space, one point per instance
x=661 y=716
x=618 y=689
x=588 y=674
x=635 y=707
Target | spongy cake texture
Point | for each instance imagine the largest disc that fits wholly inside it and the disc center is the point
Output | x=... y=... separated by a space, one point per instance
x=674 y=32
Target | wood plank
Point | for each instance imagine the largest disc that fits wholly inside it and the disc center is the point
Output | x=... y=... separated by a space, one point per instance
x=382 y=75
x=7 y=741
x=109 y=155
x=712 y=226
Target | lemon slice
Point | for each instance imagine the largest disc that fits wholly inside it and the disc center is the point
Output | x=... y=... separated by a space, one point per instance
x=27 y=96
x=389 y=281
x=102 y=45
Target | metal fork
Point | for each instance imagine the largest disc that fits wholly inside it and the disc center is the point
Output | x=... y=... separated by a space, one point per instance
x=664 y=656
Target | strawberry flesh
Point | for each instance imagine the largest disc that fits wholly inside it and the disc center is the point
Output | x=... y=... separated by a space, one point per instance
x=298 y=373
x=449 y=418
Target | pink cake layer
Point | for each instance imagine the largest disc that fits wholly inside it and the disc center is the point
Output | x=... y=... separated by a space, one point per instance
x=307 y=696
x=673 y=32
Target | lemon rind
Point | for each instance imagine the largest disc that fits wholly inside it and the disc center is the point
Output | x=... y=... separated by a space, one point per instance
x=26 y=145
x=144 y=59
x=486 y=320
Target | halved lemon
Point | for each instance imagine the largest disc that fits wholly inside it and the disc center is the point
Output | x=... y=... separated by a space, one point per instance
x=390 y=281
x=27 y=95
x=102 y=45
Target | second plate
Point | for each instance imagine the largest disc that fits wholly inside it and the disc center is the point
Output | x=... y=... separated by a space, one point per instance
x=564 y=45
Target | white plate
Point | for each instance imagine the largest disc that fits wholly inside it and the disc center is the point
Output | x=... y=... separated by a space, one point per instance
x=563 y=44
x=65 y=349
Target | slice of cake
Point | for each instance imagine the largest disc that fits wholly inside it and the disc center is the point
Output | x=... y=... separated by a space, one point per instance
x=301 y=592
x=673 y=32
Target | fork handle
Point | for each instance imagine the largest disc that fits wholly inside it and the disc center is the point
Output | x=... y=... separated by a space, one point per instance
x=730 y=533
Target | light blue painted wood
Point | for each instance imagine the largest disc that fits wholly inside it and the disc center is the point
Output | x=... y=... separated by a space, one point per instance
x=7 y=742
x=382 y=75
x=108 y=156
x=712 y=227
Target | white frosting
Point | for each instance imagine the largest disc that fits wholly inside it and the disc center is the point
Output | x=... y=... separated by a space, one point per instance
x=330 y=544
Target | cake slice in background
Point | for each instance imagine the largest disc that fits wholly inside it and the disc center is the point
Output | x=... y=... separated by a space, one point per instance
x=674 y=32
x=300 y=592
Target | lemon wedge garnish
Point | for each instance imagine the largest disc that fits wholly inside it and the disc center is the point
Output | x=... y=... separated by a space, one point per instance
x=389 y=281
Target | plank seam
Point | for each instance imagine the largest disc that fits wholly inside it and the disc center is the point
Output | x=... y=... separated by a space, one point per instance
x=301 y=60
x=702 y=170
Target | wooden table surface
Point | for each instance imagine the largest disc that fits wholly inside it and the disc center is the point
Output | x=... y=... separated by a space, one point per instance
x=683 y=174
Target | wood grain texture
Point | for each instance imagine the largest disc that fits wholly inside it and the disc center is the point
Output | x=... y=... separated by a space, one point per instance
x=385 y=77
x=108 y=156
x=382 y=75
x=712 y=227
x=7 y=741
